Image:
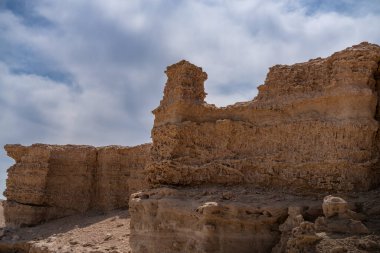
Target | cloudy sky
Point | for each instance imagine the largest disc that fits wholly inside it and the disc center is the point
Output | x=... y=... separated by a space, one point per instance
x=90 y=72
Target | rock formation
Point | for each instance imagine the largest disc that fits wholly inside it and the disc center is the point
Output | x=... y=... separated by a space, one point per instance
x=339 y=218
x=249 y=177
x=51 y=181
x=206 y=220
x=312 y=126
x=242 y=219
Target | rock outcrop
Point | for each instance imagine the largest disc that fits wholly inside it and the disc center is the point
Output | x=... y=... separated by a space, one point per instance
x=294 y=219
x=312 y=129
x=312 y=126
x=332 y=228
x=339 y=218
x=243 y=219
x=205 y=220
x=249 y=177
x=51 y=181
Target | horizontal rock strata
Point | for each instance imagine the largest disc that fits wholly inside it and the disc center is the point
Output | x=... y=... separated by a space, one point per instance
x=216 y=177
x=51 y=181
x=169 y=220
x=242 y=219
x=312 y=129
x=313 y=126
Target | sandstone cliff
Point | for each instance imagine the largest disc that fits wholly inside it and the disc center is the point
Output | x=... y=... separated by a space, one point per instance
x=249 y=177
x=312 y=126
x=51 y=181
x=222 y=173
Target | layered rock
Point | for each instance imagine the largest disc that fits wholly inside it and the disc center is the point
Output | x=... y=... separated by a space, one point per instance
x=120 y=172
x=220 y=174
x=51 y=181
x=243 y=219
x=205 y=220
x=312 y=126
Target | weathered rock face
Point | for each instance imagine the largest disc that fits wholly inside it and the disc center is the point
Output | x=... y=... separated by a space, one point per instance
x=205 y=220
x=120 y=172
x=222 y=174
x=243 y=219
x=51 y=181
x=313 y=126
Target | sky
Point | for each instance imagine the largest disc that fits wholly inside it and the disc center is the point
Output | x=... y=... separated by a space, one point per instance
x=91 y=72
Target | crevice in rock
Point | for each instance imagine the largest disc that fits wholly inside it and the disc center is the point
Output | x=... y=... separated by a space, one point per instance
x=94 y=194
x=29 y=204
x=376 y=76
x=276 y=246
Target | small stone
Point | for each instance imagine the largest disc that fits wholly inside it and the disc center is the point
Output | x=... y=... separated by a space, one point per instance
x=50 y=239
x=73 y=242
x=334 y=206
x=108 y=236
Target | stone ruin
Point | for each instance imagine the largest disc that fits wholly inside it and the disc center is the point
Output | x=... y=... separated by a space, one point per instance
x=241 y=178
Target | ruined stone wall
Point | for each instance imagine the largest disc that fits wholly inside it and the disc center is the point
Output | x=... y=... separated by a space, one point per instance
x=312 y=126
x=51 y=181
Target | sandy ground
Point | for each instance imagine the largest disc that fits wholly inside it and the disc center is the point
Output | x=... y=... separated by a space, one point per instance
x=91 y=232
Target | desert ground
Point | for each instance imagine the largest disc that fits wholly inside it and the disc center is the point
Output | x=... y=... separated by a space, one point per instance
x=91 y=232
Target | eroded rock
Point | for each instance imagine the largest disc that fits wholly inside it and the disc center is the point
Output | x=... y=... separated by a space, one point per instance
x=52 y=181
x=303 y=238
x=312 y=127
x=334 y=206
x=293 y=220
x=186 y=221
x=338 y=218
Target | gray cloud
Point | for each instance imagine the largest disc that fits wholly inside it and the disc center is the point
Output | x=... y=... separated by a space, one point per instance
x=90 y=72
